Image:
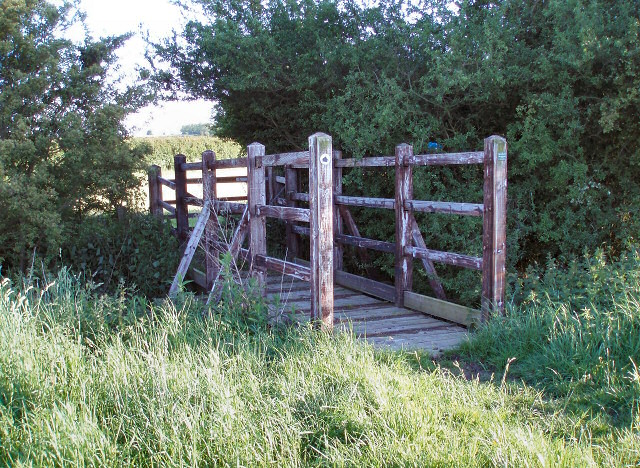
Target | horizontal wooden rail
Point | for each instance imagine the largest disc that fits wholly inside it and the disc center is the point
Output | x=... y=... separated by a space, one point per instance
x=281 y=266
x=438 y=308
x=303 y=197
x=285 y=213
x=231 y=180
x=229 y=207
x=280 y=180
x=167 y=206
x=468 y=209
x=230 y=163
x=193 y=200
x=375 y=161
x=386 y=203
x=445 y=159
x=356 y=241
x=167 y=182
x=286 y=159
x=465 y=261
x=194 y=180
x=193 y=166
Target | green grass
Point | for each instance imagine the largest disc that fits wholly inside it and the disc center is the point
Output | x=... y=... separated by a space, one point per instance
x=120 y=381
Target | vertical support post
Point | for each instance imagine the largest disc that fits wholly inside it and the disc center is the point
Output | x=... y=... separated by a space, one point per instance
x=155 y=191
x=338 y=250
x=209 y=193
x=291 y=187
x=257 y=224
x=321 y=220
x=270 y=184
x=494 y=235
x=404 y=191
x=182 y=209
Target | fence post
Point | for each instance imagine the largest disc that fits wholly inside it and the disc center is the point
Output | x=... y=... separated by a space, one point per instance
x=291 y=187
x=338 y=251
x=209 y=193
x=321 y=220
x=404 y=191
x=155 y=191
x=494 y=232
x=182 y=209
x=257 y=224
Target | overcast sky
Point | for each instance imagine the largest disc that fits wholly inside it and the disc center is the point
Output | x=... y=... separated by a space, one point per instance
x=158 y=17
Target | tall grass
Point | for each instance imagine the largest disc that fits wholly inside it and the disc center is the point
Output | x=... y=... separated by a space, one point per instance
x=89 y=380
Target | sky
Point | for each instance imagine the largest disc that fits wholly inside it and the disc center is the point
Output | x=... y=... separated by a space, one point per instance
x=158 y=18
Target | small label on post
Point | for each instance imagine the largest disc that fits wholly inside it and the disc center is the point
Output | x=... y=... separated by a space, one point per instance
x=324 y=159
x=502 y=156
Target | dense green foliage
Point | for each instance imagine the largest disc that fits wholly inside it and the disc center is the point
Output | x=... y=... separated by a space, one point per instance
x=201 y=129
x=138 y=251
x=575 y=333
x=559 y=79
x=163 y=149
x=63 y=153
x=93 y=380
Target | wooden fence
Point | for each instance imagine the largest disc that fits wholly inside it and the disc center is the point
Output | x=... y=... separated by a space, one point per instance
x=331 y=225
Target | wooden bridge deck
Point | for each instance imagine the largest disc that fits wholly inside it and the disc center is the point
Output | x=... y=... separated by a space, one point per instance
x=382 y=324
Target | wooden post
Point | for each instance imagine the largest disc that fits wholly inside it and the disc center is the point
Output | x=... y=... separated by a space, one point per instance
x=155 y=191
x=257 y=224
x=182 y=209
x=209 y=193
x=338 y=251
x=321 y=220
x=291 y=187
x=494 y=235
x=404 y=191
x=270 y=184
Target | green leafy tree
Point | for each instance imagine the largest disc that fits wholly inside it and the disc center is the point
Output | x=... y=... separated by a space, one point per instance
x=63 y=153
x=559 y=79
x=201 y=129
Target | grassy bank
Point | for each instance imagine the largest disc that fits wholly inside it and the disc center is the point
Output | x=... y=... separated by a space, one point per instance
x=118 y=381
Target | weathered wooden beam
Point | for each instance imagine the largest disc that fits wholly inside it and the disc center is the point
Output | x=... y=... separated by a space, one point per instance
x=468 y=209
x=303 y=197
x=257 y=223
x=155 y=191
x=193 y=166
x=438 y=308
x=182 y=210
x=285 y=213
x=285 y=159
x=167 y=182
x=386 y=203
x=321 y=219
x=351 y=225
x=235 y=198
x=283 y=267
x=445 y=159
x=229 y=207
x=432 y=275
x=450 y=258
x=368 y=286
x=280 y=180
x=209 y=194
x=375 y=161
x=494 y=226
x=291 y=187
x=230 y=163
x=190 y=250
x=356 y=241
x=167 y=207
x=404 y=192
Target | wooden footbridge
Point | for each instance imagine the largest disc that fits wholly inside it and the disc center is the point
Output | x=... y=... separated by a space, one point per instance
x=320 y=290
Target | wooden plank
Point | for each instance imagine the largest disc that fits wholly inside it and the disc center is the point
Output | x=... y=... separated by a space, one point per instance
x=167 y=182
x=182 y=210
x=193 y=166
x=447 y=310
x=361 y=242
x=338 y=251
x=396 y=325
x=467 y=209
x=167 y=207
x=257 y=223
x=450 y=258
x=229 y=207
x=190 y=250
x=291 y=187
x=432 y=275
x=374 y=161
x=303 y=197
x=285 y=213
x=344 y=304
x=494 y=226
x=366 y=285
x=321 y=220
x=285 y=159
x=444 y=159
x=197 y=276
x=404 y=192
x=229 y=163
x=155 y=191
x=386 y=203
x=231 y=180
x=212 y=260
x=383 y=313
x=282 y=266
